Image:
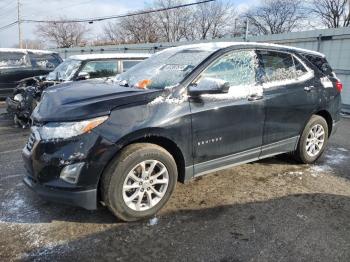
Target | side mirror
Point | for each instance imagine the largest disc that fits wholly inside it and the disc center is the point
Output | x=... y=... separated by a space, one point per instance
x=209 y=86
x=50 y=66
x=83 y=76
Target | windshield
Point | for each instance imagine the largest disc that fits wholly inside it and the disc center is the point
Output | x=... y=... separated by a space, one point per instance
x=164 y=69
x=65 y=71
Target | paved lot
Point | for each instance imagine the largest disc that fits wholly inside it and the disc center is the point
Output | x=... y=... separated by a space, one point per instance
x=271 y=210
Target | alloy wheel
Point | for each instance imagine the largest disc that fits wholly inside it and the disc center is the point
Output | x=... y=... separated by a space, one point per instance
x=315 y=140
x=145 y=185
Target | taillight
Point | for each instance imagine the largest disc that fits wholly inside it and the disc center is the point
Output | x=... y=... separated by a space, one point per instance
x=339 y=86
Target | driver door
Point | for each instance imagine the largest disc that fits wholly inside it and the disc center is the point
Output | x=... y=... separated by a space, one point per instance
x=228 y=128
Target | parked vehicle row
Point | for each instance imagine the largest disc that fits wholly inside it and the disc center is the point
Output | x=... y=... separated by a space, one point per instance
x=179 y=114
x=28 y=92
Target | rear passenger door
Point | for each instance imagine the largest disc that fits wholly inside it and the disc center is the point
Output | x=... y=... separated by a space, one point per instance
x=290 y=99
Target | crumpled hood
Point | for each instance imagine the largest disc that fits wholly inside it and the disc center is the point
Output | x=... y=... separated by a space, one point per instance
x=86 y=99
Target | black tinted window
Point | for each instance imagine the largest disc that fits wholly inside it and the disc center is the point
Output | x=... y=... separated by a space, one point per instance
x=44 y=61
x=321 y=63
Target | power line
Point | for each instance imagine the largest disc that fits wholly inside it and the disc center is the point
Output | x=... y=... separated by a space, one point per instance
x=6 y=5
x=103 y=18
x=98 y=19
x=8 y=25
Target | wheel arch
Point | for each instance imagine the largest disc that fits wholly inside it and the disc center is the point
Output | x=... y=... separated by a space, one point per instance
x=328 y=117
x=152 y=136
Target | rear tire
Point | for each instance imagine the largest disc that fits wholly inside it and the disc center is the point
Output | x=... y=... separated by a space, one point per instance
x=313 y=140
x=132 y=187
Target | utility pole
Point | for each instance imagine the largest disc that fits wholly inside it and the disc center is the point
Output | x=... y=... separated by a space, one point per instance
x=246 y=29
x=19 y=23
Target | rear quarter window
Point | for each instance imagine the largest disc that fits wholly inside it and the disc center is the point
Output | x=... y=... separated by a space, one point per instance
x=44 y=61
x=13 y=60
x=320 y=63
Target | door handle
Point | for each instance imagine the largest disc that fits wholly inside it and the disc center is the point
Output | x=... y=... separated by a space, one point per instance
x=255 y=97
x=308 y=88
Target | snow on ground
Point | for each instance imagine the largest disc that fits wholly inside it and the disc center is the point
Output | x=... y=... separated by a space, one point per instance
x=332 y=158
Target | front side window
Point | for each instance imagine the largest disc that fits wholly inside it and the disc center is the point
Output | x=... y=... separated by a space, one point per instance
x=97 y=69
x=10 y=60
x=279 y=67
x=237 y=68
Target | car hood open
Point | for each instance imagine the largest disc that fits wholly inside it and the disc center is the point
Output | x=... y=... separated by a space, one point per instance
x=86 y=99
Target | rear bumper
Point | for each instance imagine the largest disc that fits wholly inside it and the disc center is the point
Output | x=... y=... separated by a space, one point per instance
x=85 y=199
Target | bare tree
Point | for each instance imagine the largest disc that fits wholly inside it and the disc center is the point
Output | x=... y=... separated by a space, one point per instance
x=133 y=29
x=63 y=34
x=172 y=24
x=332 y=13
x=214 y=19
x=276 y=16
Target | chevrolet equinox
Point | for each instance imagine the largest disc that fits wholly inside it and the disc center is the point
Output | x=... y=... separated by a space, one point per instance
x=184 y=112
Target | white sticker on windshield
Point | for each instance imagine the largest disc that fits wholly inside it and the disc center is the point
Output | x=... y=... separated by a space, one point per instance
x=174 y=67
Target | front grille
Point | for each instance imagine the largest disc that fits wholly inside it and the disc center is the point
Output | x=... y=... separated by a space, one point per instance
x=31 y=141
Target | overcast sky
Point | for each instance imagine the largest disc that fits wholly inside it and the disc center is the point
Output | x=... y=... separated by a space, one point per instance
x=53 y=9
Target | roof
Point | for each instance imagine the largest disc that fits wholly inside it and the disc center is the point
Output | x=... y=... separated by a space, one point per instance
x=215 y=46
x=25 y=51
x=111 y=56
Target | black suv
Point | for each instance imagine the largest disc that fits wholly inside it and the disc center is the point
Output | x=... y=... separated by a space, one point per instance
x=182 y=113
x=16 y=64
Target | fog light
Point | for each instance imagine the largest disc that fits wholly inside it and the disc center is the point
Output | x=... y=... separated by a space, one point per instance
x=71 y=173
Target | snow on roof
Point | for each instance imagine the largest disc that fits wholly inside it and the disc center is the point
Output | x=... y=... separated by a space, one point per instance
x=220 y=45
x=107 y=56
x=25 y=51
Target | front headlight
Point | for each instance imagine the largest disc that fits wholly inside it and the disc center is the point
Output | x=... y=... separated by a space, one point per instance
x=69 y=129
x=18 y=98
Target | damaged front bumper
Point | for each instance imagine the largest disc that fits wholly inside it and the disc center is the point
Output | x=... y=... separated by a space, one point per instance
x=46 y=161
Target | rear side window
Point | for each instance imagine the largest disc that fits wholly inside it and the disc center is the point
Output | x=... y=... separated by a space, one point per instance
x=44 y=61
x=101 y=68
x=13 y=60
x=277 y=67
x=321 y=63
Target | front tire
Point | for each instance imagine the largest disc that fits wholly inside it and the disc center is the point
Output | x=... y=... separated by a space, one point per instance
x=313 y=140
x=139 y=181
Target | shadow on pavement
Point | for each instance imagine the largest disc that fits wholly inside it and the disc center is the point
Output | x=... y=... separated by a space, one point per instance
x=310 y=227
